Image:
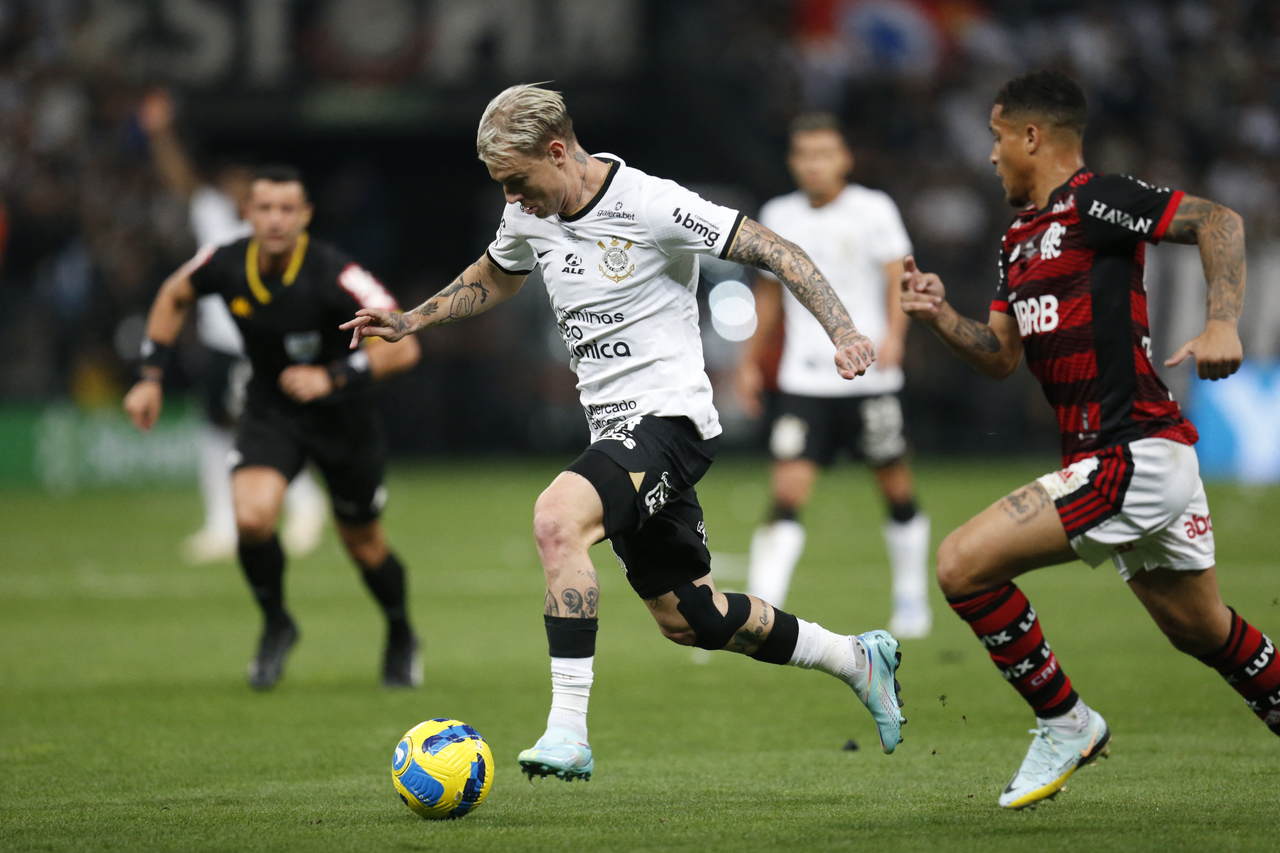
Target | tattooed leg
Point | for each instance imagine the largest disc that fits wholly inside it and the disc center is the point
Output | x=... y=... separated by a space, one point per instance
x=1017 y=533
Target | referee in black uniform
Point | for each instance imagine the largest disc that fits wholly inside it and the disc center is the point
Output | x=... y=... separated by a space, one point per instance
x=308 y=400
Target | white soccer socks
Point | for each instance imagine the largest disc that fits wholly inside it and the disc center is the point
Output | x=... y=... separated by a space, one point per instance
x=775 y=550
x=908 y=546
x=571 y=680
x=834 y=654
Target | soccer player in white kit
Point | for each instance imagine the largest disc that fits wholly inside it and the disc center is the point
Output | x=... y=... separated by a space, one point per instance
x=856 y=235
x=618 y=250
x=216 y=213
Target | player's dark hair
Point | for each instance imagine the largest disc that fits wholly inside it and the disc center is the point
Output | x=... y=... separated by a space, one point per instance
x=1050 y=95
x=811 y=122
x=279 y=173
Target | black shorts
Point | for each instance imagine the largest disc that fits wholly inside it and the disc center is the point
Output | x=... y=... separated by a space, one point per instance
x=818 y=428
x=222 y=387
x=344 y=441
x=644 y=471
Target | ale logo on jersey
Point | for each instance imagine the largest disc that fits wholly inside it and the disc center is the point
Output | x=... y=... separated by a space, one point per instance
x=573 y=264
x=1036 y=314
x=616 y=264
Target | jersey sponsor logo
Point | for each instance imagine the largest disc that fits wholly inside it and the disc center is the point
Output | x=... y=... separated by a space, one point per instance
x=615 y=264
x=1101 y=211
x=697 y=225
x=573 y=264
x=616 y=213
x=303 y=347
x=623 y=431
x=602 y=349
x=612 y=408
x=1036 y=314
x=1062 y=205
x=657 y=497
x=1051 y=242
x=1198 y=525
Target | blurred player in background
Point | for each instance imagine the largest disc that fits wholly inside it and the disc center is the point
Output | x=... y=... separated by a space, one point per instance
x=1071 y=298
x=308 y=400
x=856 y=235
x=618 y=250
x=216 y=212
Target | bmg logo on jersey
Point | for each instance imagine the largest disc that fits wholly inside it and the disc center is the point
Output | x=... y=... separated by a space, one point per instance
x=1036 y=314
x=697 y=225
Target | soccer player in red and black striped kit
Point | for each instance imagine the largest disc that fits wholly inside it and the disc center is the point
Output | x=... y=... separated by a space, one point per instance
x=1071 y=298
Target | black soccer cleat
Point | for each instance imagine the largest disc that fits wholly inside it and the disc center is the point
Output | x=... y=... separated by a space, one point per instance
x=402 y=662
x=267 y=666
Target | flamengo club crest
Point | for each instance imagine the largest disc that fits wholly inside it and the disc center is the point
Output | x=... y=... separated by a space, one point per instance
x=616 y=263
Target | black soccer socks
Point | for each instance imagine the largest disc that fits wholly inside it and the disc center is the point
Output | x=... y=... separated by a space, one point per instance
x=263 y=567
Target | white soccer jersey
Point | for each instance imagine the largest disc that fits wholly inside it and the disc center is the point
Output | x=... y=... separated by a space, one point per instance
x=850 y=239
x=622 y=277
x=215 y=221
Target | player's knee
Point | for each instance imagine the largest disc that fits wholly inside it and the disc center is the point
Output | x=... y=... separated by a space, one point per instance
x=955 y=564
x=369 y=550
x=711 y=629
x=255 y=522
x=554 y=532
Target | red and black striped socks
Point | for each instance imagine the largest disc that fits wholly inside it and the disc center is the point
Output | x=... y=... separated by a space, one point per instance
x=1248 y=663
x=1007 y=625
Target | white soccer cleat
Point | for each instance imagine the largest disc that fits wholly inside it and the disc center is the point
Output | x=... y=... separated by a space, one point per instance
x=911 y=622
x=209 y=546
x=1054 y=755
x=558 y=753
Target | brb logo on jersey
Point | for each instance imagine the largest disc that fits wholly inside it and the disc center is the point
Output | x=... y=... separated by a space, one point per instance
x=1036 y=314
x=697 y=225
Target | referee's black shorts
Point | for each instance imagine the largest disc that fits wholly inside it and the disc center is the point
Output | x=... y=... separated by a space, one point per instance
x=644 y=471
x=344 y=440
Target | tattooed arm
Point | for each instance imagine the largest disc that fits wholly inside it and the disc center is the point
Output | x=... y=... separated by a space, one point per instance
x=757 y=246
x=480 y=287
x=1219 y=232
x=994 y=347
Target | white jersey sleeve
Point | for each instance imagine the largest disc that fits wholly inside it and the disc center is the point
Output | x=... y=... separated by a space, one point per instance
x=891 y=242
x=683 y=222
x=510 y=250
x=215 y=222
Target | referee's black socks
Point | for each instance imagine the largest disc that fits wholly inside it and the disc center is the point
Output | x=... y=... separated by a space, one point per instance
x=386 y=583
x=263 y=566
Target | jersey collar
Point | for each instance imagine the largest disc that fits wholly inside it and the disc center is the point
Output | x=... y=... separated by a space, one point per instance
x=614 y=165
x=1062 y=189
x=256 y=287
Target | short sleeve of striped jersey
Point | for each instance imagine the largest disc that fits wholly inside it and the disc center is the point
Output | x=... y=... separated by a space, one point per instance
x=1117 y=211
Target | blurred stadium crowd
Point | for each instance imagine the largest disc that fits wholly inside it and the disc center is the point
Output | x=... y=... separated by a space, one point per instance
x=1182 y=93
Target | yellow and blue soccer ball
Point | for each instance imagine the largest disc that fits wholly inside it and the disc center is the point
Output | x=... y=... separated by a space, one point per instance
x=442 y=769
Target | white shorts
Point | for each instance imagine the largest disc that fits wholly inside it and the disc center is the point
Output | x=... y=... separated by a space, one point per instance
x=1141 y=504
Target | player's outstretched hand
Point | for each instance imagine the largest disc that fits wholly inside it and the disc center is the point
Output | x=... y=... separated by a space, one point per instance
x=854 y=355
x=377 y=323
x=143 y=403
x=922 y=292
x=1217 y=351
x=306 y=383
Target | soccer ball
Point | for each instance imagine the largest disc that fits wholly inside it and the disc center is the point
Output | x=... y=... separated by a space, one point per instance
x=442 y=769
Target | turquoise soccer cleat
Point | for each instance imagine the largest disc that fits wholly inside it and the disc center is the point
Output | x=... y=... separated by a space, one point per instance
x=1052 y=758
x=879 y=689
x=558 y=753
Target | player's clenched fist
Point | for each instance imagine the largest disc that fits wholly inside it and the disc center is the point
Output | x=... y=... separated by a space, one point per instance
x=922 y=292
x=143 y=402
x=377 y=323
x=854 y=355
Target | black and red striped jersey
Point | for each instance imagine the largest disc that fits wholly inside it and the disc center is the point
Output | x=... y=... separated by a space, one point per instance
x=1071 y=275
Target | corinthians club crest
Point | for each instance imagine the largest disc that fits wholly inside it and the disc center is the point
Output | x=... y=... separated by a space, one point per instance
x=616 y=263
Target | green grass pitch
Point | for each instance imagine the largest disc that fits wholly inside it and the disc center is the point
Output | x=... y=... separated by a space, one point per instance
x=125 y=723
